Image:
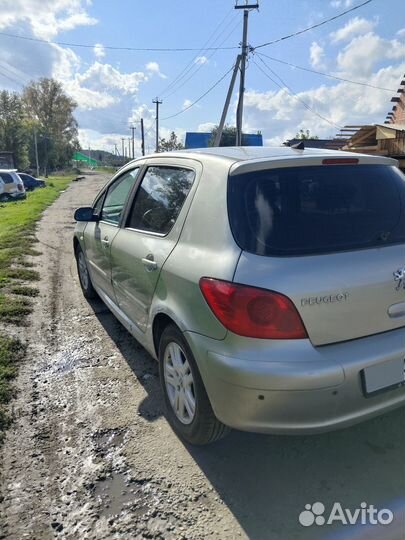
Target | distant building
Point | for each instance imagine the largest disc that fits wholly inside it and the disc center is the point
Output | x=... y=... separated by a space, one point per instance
x=385 y=139
x=381 y=139
x=397 y=113
x=196 y=139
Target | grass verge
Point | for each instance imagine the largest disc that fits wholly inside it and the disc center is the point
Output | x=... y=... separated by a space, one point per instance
x=11 y=353
x=17 y=238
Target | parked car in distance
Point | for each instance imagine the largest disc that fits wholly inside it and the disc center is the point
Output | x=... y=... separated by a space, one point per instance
x=30 y=182
x=269 y=283
x=11 y=186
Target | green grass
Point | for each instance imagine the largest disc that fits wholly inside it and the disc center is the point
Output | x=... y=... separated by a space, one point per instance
x=17 y=229
x=24 y=291
x=17 y=239
x=11 y=353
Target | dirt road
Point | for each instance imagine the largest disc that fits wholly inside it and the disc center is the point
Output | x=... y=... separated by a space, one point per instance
x=90 y=455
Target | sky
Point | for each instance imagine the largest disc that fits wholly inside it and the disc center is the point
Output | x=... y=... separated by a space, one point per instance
x=114 y=88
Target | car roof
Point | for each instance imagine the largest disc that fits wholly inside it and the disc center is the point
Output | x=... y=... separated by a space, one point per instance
x=234 y=154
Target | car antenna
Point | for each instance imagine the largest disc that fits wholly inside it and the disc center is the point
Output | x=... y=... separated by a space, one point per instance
x=298 y=146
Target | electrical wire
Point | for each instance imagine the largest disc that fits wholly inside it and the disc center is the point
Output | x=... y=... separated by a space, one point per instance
x=113 y=47
x=191 y=63
x=202 y=65
x=325 y=74
x=201 y=97
x=292 y=93
x=10 y=78
x=317 y=25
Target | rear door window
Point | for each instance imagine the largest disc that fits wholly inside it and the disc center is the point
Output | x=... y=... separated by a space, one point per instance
x=160 y=198
x=319 y=209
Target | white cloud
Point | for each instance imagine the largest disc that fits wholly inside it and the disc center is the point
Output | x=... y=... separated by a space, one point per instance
x=355 y=26
x=201 y=60
x=360 y=56
x=99 y=51
x=99 y=76
x=206 y=127
x=341 y=3
x=154 y=69
x=317 y=54
x=187 y=103
x=46 y=18
x=281 y=115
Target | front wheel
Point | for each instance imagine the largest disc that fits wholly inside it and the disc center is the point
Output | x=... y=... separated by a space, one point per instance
x=84 y=276
x=188 y=408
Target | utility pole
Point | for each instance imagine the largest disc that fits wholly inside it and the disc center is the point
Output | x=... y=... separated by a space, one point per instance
x=142 y=138
x=157 y=102
x=36 y=150
x=239 y=113
x=129 y=147
x=123 y=148
x=116 y=149
x=218 y=136
x=133 y=141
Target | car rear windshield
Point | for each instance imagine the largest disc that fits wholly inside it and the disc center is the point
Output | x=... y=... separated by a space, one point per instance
x=319 y=209
x=7 y=178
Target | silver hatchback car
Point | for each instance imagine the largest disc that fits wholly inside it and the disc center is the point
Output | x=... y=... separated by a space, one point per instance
x=269 y=283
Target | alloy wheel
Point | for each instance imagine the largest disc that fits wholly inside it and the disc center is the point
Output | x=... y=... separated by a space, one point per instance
x=179 y=383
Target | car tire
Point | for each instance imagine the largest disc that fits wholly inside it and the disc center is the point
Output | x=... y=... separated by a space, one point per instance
x=84 y=275
x=182 y=386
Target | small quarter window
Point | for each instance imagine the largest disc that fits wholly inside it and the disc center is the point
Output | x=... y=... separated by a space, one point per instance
x=160 y=198
x=116 y=197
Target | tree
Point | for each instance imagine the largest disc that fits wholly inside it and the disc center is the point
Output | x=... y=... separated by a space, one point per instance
x=14 y=128
x=172 y=144
x=305 y=135
x=47 y=105
x=228 y=137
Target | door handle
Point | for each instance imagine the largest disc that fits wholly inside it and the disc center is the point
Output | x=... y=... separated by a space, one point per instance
x=149 y=264
x=105 y=241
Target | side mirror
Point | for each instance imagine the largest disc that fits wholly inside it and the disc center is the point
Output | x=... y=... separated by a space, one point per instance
x=85 y=214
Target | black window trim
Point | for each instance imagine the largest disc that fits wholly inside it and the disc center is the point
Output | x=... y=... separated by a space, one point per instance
x=131 y=199
x=113 y=180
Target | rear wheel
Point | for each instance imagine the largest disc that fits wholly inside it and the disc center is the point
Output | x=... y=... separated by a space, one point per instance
x=84 y=276
x=188 y=408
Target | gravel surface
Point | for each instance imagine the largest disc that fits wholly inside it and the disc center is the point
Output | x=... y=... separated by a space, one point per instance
x=90 y=455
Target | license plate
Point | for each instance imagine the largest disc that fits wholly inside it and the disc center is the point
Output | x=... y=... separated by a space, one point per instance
x=385 y=376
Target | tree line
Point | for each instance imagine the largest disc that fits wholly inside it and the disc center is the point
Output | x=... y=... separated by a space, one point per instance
x=38 y=125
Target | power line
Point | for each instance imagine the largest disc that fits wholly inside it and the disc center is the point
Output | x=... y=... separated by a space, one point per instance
x=201 y=97
x=191 y=63
x=202 y=65
x=11 y=79
x=325 y=74
x=317 y=25
x=291 y=92
x=113 y=47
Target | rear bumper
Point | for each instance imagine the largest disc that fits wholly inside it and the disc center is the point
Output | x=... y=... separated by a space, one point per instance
x=292 y=387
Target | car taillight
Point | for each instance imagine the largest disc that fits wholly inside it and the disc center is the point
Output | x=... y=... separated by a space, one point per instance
x=252 y=312
x=20 y=187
